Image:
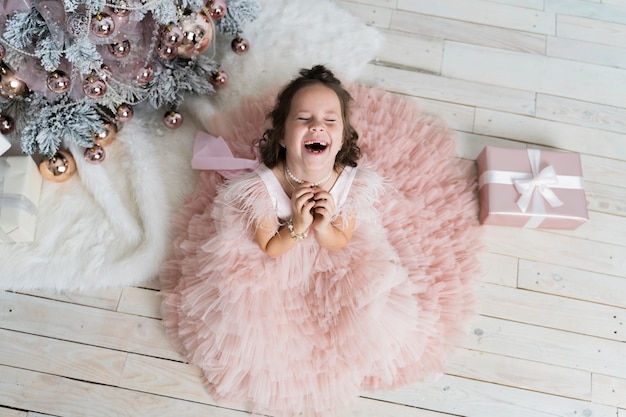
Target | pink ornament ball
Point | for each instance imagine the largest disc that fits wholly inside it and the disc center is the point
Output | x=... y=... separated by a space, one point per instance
x=124 y=113
x=119 y=49
x=58 y=168
x=121 y=8
x=171 y=35
x=94 y=87
x=58 y=82
x=11 y=86
x=217 y=8
x=7 y=124
x=219 y=79
x=107 y=136
x=95 y=154
x=240 y=46
x=166 y=52
x=102 y=25
x=146 y=74
x=173 y=119
x=105 y=73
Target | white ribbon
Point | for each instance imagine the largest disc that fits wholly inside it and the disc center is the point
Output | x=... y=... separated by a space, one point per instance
x=534 y=187
x=541 y=182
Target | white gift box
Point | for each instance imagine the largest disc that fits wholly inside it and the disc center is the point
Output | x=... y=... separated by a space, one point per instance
x=20 y=189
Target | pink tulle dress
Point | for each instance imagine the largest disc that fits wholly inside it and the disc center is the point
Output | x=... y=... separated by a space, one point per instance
x=309 y=331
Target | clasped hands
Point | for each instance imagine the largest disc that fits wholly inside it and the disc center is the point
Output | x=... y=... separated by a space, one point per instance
x=312 y=208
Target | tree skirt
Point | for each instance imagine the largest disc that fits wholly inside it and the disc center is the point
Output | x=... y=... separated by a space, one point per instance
x=109 y=225
x=432 y=224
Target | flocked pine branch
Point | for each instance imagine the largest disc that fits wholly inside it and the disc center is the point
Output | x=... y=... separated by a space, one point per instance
x=23 y=28
x=50 y=125
x=238 y=13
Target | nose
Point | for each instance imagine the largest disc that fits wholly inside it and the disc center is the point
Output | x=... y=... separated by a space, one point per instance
x=317 y=126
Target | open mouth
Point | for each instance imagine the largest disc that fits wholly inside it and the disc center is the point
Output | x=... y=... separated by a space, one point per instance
x=315 y=146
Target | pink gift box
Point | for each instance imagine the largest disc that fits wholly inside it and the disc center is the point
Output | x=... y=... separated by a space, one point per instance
x=531 y=188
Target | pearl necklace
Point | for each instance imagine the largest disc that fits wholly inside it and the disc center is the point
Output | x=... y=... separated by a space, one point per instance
x=299 y=181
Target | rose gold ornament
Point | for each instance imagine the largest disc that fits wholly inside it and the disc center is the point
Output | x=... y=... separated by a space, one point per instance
x=107 y=136
x=119 y=49
x=197 y=35
x=59 y=167
x=171 y=35
x=166 y=52
x=105 y=73
x=146 y=74
x=102 y=25
x=124 y=113
x=7 y=124
x=95 y=154
x=94 y=87
x=10 y=85
x=173 y=119
x=121 y=8
x=240 y=46
x=3 y=51
x=219 y=79
x=58 y=82
x=217 y=8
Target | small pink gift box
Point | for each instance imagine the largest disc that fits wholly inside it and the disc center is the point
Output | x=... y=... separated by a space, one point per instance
x=531 y=188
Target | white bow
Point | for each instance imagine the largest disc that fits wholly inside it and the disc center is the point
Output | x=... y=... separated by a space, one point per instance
x=541 y=182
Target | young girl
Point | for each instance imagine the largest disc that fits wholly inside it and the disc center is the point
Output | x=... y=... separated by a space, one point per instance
x=286 y=290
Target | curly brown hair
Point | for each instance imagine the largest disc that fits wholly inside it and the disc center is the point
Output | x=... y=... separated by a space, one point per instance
x=270 y=151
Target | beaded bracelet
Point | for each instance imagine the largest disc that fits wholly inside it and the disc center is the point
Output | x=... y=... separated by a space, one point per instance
x=296 y=236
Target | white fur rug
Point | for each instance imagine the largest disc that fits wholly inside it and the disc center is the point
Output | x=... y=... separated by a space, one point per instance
x=110 y=225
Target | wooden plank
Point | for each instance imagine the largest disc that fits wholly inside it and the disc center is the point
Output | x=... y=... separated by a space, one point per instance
x=599 y=11
x=499 y=269
x=140 y=302
x=601 y=227
x=470 y=398
x=538 y=245
x=572 y=283
x=469 y=145
x=371 y=15
x=552 y=311
x=85 y=325
x=591 y=30
x=449 y=90
x=581 y=113
x=106 y=298
x=463 y=31
x=580 y=50
x=546 y=345
x=7 y=412
x=601 y=170
x=551 y=134
x=537 y=73
x=529 y=4
x=410 y=50
x=606 y=198
x=520 y=373
x=185 y=381
x=389 y=4
x=53 y=356
x=71 y=398
x=486 y=13
x=455 y=116
x=609 y=390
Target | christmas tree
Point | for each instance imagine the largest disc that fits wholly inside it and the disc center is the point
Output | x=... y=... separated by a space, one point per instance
x=74 y=71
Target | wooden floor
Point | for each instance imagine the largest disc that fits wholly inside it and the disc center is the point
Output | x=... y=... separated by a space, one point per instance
x=549 y=340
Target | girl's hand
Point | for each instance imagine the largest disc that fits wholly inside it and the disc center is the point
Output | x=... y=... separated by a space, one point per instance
x=302 y=204
x=323 y=207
